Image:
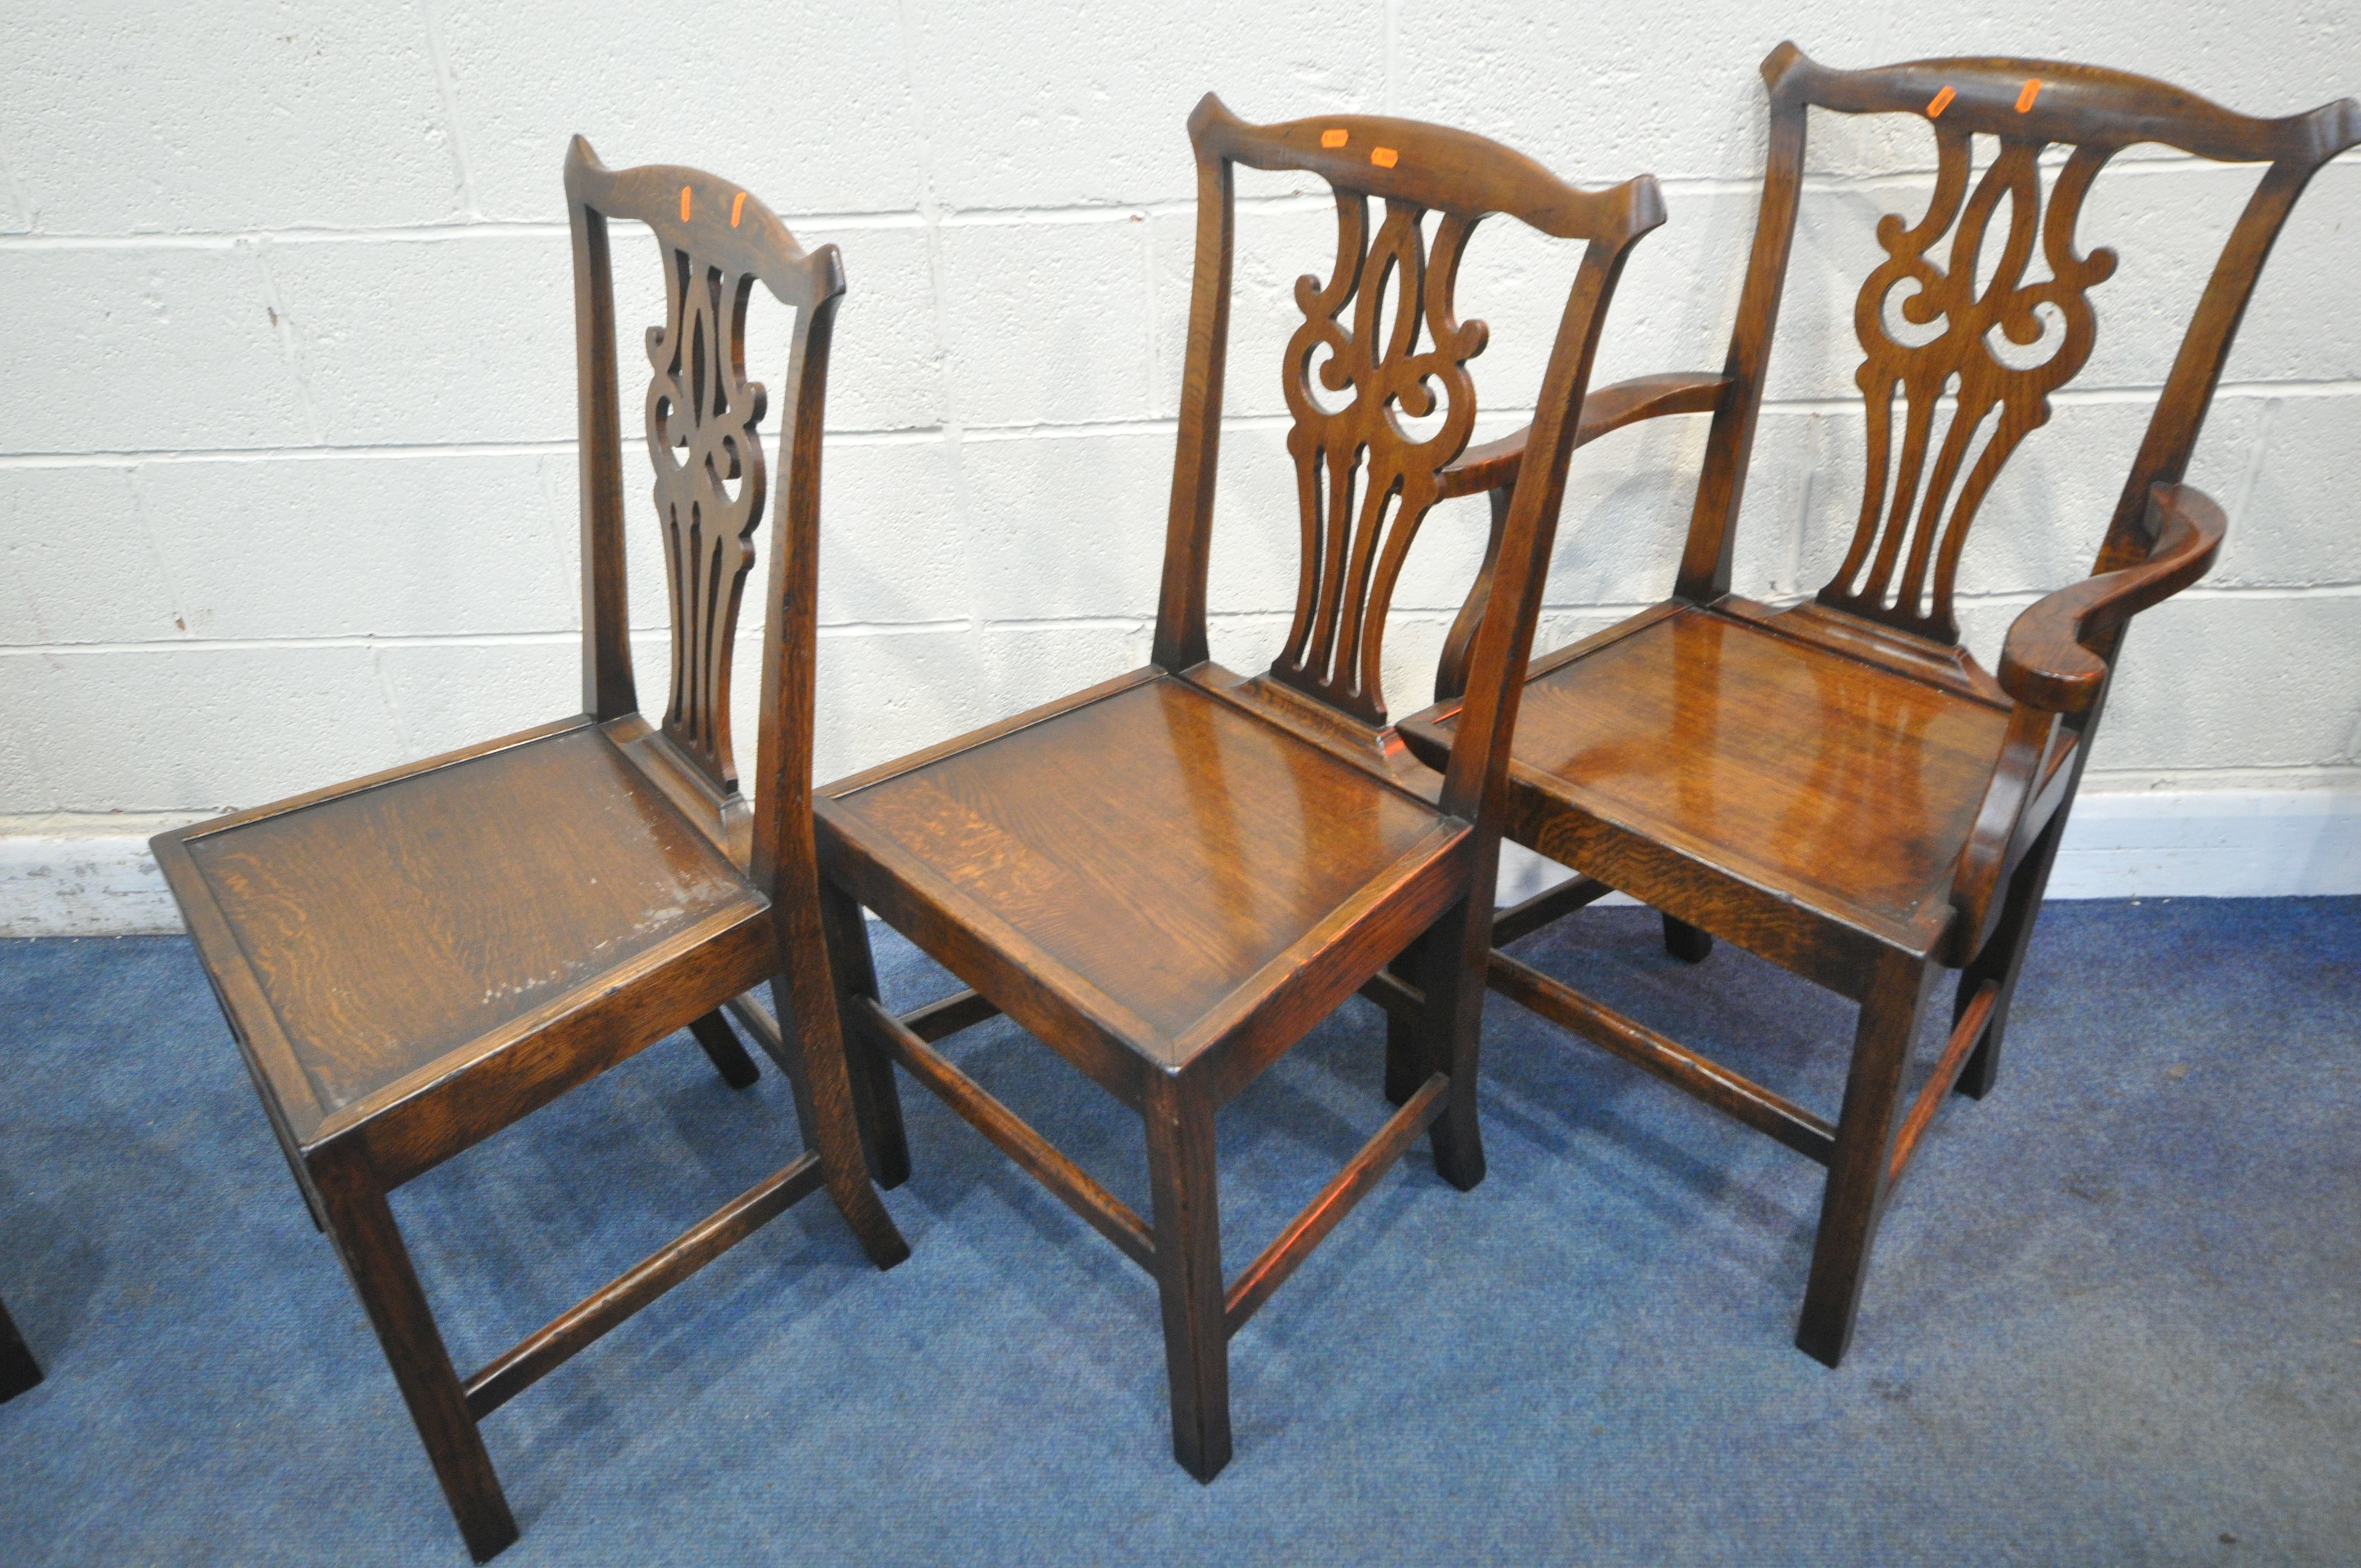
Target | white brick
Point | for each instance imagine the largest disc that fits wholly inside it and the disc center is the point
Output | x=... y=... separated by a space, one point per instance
x=177 y=729
x=2298 y=525
x=77 y=559
x=883 y=696
x=1018 y=667
x=236 y=114
x=886 y=367
x=1073 y=526
x=1091 y=105
x=836 y=135
x=450 y=695
x=2238 y=681
x=2303 y=323
x=25 y=788
x=444 y=340
x=893 y=524
x=141 y=350
x=362 y=546
x=1046 y=321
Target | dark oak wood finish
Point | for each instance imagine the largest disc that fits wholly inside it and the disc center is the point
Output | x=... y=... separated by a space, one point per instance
x=19 y=1370
x=412 y=962
x=1838 y=787
x=1171 y=876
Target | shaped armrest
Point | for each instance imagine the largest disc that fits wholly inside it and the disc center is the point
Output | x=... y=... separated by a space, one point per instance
x=1493 y=465
x=2047 y=662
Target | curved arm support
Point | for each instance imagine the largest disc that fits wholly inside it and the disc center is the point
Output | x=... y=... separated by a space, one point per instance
x=1493 y=466
x=2052 y=659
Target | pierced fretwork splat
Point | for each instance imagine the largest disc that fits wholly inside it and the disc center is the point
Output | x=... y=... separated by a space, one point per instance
x=701 y=418
x=1335 y=645
x=1960 y=360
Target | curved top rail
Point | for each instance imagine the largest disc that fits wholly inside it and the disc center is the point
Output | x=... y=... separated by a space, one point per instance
x=1436 y=166
x=709 y=217
x=2057 y=100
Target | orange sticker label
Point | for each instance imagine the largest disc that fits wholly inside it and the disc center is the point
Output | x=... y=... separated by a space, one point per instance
x=1384 y=156
x=737 y=209
x=1334 y=139
x=2032 y=90
x=684 y=203
x=1940 y=102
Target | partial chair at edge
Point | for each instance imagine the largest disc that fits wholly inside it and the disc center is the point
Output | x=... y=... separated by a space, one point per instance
x=1171 y=876
x=412 y=962
x=1838 y=787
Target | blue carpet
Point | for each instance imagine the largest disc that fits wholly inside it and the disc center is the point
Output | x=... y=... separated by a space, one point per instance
x=2114 y=1315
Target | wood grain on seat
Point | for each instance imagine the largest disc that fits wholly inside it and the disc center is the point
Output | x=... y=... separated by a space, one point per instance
x=391 y=925
x=1188 y=843
x=1844 y=787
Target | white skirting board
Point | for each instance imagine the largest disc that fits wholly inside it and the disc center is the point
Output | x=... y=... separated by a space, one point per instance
x=2151 y=844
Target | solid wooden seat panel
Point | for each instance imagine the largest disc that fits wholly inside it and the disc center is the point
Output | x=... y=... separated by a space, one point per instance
x=1159 y=843
x=1847 y=788
x=389 y=927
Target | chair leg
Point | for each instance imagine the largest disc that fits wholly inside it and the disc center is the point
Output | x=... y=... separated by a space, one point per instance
x=1405 y=1039
x=1686 y=942
x=1855 y=1198
x=876 y=1100
x=19 y=1370
x=2003 y=955
x=361 y=1224
x=1453 y=958
x=1189 y=1272
x=728 y=1058
x=812 y=1056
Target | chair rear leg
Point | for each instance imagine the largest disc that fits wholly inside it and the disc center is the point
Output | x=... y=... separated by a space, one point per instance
x=876 y=1099
x=813 y=1056
x=1453 y=958
x=1189 y=1272
x=2003 y=958
x=1686 y=942
x=1855 y=1199
x=722 y=1047
x=361 y=1224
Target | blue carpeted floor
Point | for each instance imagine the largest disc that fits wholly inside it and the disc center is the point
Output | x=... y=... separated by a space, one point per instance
x=2115 y=1317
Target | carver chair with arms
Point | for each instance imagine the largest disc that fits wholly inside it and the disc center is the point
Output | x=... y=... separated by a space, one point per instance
x=1838 y=787
x=412 y=962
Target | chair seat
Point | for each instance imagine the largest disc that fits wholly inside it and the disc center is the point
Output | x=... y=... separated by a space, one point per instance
x=1829 y=781
x=398 y=923
x=1160 y=856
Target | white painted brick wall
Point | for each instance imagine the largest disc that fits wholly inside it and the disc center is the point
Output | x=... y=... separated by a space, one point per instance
x=287 y=479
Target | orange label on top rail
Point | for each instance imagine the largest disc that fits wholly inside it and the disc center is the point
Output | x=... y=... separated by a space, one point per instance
x=684 y=203
x=737 y=209
x=1334 y=139
x=1384 y=156
x=1940 y=102
x=2032 y=90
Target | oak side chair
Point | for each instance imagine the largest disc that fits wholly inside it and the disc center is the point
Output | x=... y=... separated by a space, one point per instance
x=415 y=960
x=1838 y=787
x=1171 y=876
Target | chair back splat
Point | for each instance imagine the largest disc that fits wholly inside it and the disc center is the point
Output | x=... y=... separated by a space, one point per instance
x=1363 y=482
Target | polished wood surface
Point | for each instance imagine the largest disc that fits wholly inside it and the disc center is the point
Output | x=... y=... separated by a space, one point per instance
x=1186 y=846
x=1842 y=787
x=1170 y=877
x=412 y=962
x=392 y=926
x=1838 y=787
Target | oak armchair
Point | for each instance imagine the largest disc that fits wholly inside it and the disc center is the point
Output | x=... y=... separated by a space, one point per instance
x=1838 y=787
